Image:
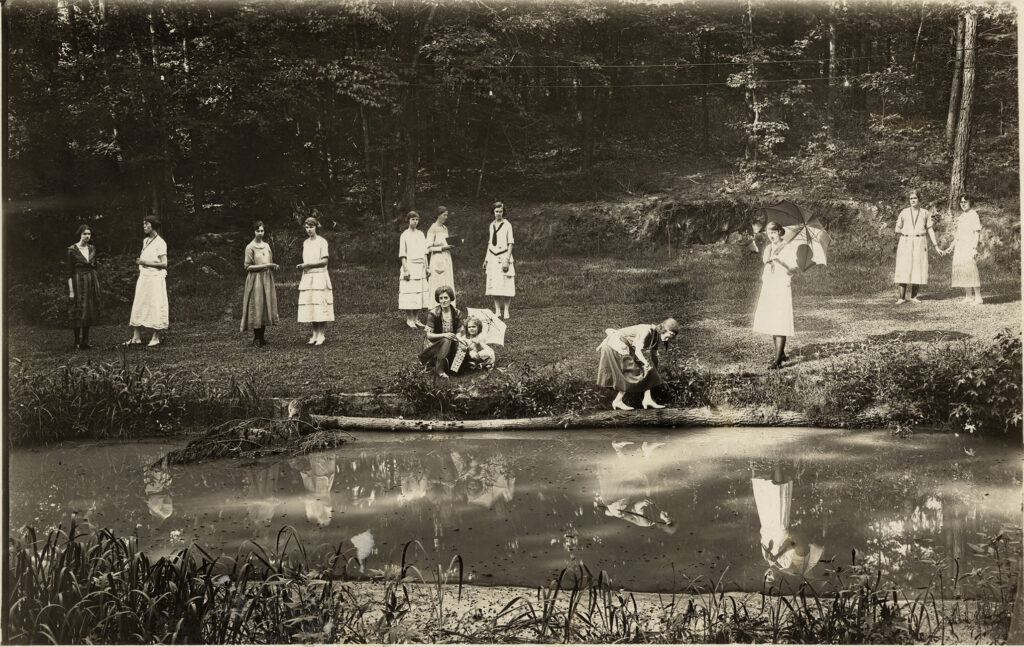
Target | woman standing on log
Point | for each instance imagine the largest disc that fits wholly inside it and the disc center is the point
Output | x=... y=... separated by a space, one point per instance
x=412 y=283
x=624 y=365
x=440 y=259
x=500 y=268
x=83 y=286
x=150 y=310
x=441 y=341
x=912 y=225
x=774 y=313
x=316 y=294
x=965 y=251
x=259 y=299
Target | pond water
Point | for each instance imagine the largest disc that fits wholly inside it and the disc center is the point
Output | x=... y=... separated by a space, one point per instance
x=653 y=508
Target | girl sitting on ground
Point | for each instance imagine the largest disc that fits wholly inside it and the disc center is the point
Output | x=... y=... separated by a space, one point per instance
x=480 y=354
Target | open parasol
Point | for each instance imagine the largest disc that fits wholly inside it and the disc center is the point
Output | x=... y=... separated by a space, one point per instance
x=493 y=331
x=803 y=229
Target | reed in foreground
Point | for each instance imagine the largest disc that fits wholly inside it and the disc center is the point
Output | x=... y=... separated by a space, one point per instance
x=93 y=586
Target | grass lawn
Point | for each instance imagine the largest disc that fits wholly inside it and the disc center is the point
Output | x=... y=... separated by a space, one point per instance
x=558 y=318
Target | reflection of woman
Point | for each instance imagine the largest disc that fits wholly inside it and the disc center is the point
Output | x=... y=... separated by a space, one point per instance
x=441 y=270
x=782 y=547
x=412 y=283
x=316 y=294
x=498 y=264
x=441 y=342
x=912 y=225
x=259 y=299
x=965 y=251
x=625 y=490
x=625 y=367
x=83 y=286
x=158 y=497
x=318 y=480
x=774 y=313
x=149 y=310
x=262 y=500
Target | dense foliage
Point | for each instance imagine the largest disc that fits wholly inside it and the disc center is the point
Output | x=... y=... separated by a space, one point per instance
x=212 y=113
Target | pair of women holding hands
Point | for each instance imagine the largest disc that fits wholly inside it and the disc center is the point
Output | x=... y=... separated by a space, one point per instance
x=915 y=227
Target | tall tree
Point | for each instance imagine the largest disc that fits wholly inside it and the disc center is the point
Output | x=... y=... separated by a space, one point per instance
x=963 y=129
x=954 y=88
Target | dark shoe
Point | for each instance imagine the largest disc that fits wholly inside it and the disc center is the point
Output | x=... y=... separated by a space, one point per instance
x=261 y=341
x=84 y=346
x=774 y=366
x=784 y=358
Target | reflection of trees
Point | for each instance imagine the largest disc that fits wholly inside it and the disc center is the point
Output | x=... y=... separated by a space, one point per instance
x=900 y=542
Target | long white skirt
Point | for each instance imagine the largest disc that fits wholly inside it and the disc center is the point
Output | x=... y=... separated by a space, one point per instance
x=499 y=282
x=149 y=309
x=412 y=293
x=774 y=313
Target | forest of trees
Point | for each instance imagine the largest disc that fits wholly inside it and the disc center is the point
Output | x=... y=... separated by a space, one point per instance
x=202 y=112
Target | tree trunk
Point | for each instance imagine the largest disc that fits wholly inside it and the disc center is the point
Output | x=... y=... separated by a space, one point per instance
x=194 y=132
x=704 y=417
x=954 y=88
x=958 y=178
x=917 y=42
x=833 y=75
x=705 y=58
x=409 y=120
x=589 y=101
x=750 y=150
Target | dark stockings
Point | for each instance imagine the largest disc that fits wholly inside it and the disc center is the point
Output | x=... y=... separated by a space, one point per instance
x=257 y=336
x=780 y=350
x=82 y=337
x=913 y=290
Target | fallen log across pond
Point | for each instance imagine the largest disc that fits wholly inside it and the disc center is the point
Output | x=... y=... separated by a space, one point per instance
x=703 y=417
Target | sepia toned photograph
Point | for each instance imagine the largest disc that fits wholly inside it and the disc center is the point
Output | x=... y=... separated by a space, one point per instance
x=512 y=321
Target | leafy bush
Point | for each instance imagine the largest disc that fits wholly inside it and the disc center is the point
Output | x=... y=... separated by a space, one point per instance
x=987 y=395
x=118 y=399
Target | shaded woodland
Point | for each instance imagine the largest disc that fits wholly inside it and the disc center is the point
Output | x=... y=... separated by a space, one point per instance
x=211 y=114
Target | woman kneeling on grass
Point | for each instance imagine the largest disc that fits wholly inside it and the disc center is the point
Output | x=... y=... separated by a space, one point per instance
x=624 y=366
x=443 y=325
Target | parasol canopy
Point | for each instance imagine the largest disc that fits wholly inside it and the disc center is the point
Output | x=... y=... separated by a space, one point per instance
x=804 y=230
x=493 y=327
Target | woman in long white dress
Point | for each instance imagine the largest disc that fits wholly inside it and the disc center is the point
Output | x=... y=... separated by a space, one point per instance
x=965 y=251
x=498 y=264
x=150 y=309
x=316 y=294
x=912 y=225
x=774 y=313
x=412 y=283
x=440 y=258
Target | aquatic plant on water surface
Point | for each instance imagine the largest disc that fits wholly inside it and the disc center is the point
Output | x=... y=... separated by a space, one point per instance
x=84 y=585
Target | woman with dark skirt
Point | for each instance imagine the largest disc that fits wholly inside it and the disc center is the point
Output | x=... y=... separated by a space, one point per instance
x=83 y=286
x=625 y=366
x=259 y=299
x=441 y=341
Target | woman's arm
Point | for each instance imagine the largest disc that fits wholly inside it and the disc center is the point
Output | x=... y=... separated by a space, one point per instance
x=931 y=230
x=899 y=223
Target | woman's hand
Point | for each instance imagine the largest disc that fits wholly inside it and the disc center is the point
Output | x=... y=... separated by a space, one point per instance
x=504 y=267
x=405 y=275
x=300 y=266
x=140 y=262
x=275 y=266
x=450 y=335
x=485 y=265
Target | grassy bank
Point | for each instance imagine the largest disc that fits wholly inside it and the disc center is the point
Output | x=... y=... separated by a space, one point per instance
x=971 y=385
x=83 y=586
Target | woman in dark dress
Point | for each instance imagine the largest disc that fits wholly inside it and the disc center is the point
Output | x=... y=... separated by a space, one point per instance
x=625 y=365
x=443 y=324
x=83 y=286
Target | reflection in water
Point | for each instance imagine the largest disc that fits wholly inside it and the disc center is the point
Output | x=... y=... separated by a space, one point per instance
x=653 y=510
x=625 y=487
x=157 y=483
x=786 y=549
x=317 y=472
